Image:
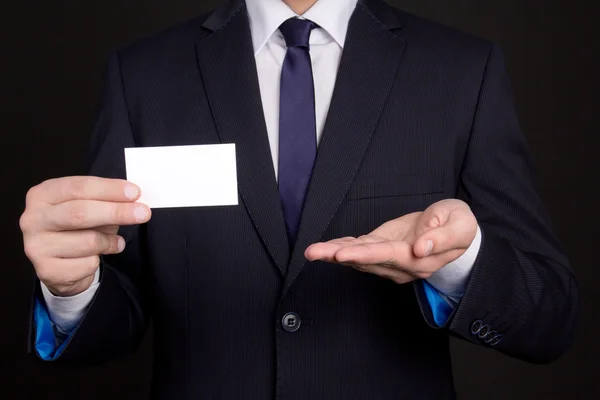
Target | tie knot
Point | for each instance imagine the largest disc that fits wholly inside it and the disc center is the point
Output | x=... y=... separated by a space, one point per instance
x=296 y=32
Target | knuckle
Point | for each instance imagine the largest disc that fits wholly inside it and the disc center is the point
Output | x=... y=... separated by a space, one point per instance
x=120 y=212
x=31 y=248
x=25 y=221
x=33 y=194
x=47 y=274
x=95 y=241
x=434 y=222
x=76 y=188
x=77 y=214
x=113 y=241
x=93 y=263
x=116 y=213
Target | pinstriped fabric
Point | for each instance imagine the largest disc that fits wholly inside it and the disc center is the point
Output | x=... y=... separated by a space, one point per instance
x=420 y=113
x=239 y=118
x=349 y=126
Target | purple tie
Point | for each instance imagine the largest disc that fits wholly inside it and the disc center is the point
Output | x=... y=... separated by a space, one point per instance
x=297 y=124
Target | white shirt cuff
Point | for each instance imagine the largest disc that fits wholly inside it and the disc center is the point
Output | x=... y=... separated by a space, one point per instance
x=66 y=312
x=451 y=280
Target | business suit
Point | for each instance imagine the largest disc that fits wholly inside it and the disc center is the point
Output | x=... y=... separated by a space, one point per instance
x=420 y=113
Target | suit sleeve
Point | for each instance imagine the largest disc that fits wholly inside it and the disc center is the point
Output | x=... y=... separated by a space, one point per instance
x=114 y=323
x=522 y=298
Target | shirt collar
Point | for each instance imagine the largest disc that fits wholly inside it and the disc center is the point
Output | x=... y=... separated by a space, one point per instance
x=267 y=15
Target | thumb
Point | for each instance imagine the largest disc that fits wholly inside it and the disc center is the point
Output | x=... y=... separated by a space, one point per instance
x=455 y=230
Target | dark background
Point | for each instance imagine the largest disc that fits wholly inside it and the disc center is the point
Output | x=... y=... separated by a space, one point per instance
x=52 y=57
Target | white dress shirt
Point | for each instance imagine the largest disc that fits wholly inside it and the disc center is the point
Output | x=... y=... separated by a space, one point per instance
x=326 y=46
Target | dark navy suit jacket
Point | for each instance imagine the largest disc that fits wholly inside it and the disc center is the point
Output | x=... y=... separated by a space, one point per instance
x=420 y=113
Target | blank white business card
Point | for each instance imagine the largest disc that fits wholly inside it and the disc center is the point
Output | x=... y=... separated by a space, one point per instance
x=184 y=176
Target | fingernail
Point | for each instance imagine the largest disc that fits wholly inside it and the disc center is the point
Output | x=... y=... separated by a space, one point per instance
x=131 y=192
x=429 y=248
x=121 y=244
x=140 y=214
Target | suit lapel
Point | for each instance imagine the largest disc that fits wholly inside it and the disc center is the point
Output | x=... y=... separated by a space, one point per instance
x=367 y=72
x=228 y=69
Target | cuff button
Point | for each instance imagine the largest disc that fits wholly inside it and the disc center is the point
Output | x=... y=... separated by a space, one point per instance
x=490 y=337
x=497 y=339
x=476 y=327
x=483 y=331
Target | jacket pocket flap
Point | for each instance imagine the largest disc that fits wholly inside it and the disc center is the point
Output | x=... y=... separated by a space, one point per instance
x=396 y=185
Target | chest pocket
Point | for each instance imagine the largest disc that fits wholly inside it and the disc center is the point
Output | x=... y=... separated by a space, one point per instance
x=396 y=186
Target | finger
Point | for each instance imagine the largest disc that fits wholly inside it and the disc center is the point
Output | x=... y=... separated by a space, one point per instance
x=417 y=268
x=388 y=252
x=398 y=229
x=433 y=217
x=326 y=251
x=397 y=276
x=457 y=232
x=86 y=214
x=111 y=230
x=346 y=239
x=59 y=190
x=57 y=272
x=77 y=244
x=323 y=251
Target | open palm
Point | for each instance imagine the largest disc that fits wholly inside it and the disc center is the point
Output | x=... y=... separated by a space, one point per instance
x=411 y=247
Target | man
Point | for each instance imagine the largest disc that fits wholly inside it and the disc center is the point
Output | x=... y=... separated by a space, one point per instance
x=343 y=271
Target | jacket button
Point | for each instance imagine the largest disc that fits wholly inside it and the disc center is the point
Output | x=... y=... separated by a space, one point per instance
x=476 y=327
x=291 y=322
